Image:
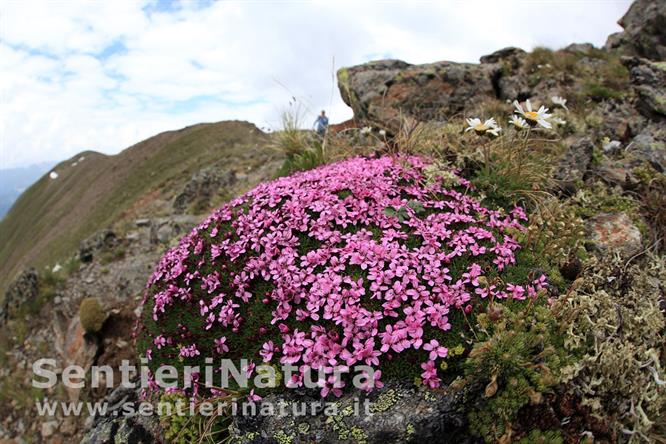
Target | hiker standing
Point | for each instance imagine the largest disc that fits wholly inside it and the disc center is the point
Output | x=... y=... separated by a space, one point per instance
x=321 y=124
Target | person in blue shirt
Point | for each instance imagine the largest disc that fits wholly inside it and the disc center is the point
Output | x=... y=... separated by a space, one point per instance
x=321 y=124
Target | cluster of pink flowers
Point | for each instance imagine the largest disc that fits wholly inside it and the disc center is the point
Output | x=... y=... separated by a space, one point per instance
x=373 y=277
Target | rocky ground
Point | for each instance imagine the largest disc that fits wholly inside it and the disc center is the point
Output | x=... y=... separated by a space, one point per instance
x=41 y=309
x=611 y=157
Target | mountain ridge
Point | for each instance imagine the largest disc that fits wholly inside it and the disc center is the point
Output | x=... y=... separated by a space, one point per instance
x=52 y=216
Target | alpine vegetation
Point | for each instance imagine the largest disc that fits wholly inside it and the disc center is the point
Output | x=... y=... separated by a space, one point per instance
x=362 y=262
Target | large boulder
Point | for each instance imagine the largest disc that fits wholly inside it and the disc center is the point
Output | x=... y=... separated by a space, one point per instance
x=383 y=91
x=101 y=241
x=122 y=423
x=650 y=146
x=399 y=413
x=644 y=31
x=649 y=81
x=25 y=288
x=574 y=163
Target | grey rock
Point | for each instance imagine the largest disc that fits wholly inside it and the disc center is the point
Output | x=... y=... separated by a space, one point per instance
x=133 y=236
x=201 y=187
x=398 y=413
x=102 y=240
x=582 y=48
x=23 y=289
x=622 y=121
x=644 y=31
x=650 y=146
x=163 y=230
x=648 y=79
x=501 y=54
x=575 y=162
x=120 y=427
x=382 y=92
x=616 y=172
x=164 y=233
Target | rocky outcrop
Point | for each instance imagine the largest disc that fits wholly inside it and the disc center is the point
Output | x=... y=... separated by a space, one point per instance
x=649 y=81
x=382 y=92
x=398 y=413
x=644 y=31
x=103 y=240
x=162 y=230
x=202 y=186
x=574 y=164
x=119 y=426
x=25 y=288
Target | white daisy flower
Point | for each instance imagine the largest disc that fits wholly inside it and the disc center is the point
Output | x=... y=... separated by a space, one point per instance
x=559 y=101
x=534 y=117
x=558 y=121
x=490 y=126
x=518 y=122
x=366 y=130
x=382 y=133
x=53 y=175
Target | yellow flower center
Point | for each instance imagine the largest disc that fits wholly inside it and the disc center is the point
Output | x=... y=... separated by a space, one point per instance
x=532 y=115
x=480 y=127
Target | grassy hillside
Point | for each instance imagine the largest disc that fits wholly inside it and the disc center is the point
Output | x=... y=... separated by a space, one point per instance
x=51 y=217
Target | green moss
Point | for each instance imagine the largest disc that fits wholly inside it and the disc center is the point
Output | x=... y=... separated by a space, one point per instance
x=92 y=315
x=540 y=437
x=185 y=429
x=597 y=91
x=519 y=357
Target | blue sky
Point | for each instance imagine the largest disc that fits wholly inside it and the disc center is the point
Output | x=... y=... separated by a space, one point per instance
x=103 y=75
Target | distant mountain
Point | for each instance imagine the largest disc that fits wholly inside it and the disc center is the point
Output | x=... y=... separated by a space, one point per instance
x=14 y=181
x=94 y=191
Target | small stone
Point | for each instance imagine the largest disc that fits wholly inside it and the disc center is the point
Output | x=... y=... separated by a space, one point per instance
x=142 y=222
x=49 y=428
x=615 y=231
x=165 y=233
x=612 y=146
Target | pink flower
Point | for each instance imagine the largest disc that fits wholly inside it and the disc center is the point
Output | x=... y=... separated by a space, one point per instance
x=221 y=346
x=249 y=369
x=189 y=351
x=517 y=291
x=365 y=277
x=373 y=383
x=429 y=375
x=160 y=341
x=436 y=350
x=267 y=351
x=252 y=397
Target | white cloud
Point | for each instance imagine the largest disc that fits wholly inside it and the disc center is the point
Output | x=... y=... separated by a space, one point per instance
x=77 y=75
